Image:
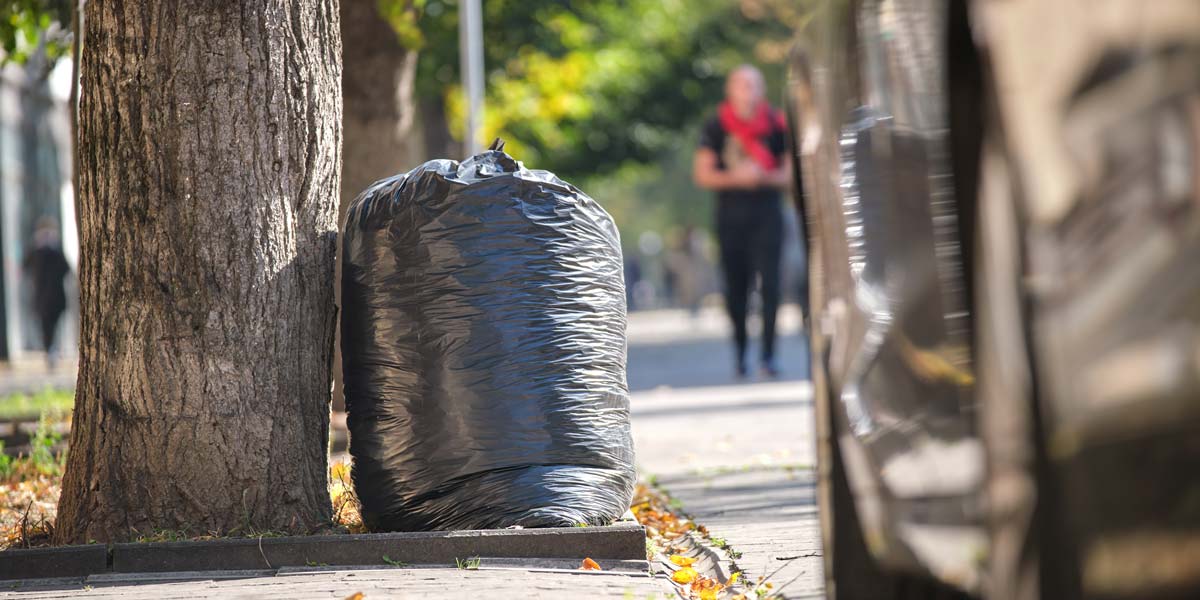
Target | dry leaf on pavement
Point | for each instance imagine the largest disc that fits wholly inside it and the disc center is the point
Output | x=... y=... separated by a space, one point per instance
x=682 y=561
x=685 y=575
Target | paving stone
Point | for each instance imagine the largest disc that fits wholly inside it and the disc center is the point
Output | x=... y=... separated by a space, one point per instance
x=766 y=515
x=385 y=583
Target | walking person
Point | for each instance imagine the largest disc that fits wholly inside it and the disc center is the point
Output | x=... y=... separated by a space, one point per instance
x=741 y=158
x=47 y=268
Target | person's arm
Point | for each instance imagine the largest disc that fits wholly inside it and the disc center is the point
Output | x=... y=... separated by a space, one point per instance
x=706 y=174
x=780 y=177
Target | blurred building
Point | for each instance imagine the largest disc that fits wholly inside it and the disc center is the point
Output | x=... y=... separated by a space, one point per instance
x=35 y=182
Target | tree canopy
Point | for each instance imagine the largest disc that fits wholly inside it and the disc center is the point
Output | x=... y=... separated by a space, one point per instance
x=607 y=92
x=581 y=87
x=26 y=25
x=585 y=87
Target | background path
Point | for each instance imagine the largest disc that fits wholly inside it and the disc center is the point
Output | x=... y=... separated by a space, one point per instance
x=738 y=456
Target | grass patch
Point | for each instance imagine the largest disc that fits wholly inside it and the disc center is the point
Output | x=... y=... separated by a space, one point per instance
x=48 y=402
x=29 y=490
x=30 y=487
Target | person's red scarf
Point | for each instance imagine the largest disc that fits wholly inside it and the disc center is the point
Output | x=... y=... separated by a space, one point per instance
x=751 y=131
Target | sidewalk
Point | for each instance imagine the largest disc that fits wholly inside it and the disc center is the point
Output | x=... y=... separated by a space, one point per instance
x=31 y=375
x=738 y=457
x=396 y=582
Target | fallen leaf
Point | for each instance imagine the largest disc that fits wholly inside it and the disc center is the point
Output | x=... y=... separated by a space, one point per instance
x=706 y=583
x=683 y=561
x=684 y=575
x=355 y=596
x=589 y=565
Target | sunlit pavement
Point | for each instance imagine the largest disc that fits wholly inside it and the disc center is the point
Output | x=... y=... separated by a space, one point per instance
x=31 y=375
x=738 y=455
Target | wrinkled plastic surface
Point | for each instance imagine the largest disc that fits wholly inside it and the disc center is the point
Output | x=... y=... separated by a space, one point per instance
x=483 y=343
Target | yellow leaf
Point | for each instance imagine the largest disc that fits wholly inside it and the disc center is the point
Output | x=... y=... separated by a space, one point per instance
x=355 y=596
x=589 y=565
x=734 y=578
x=684 y=575
x=709 y=594
x=682 y=561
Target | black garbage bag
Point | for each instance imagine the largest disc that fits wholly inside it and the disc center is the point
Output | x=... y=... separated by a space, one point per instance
x=483 y=348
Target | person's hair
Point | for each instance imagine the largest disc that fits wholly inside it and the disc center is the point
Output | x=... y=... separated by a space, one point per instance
x=746 y=67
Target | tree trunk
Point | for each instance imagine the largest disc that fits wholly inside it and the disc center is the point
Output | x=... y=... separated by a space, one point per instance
x=438 y=141
x=380 y=140
x=210 y=135
x=377 y=85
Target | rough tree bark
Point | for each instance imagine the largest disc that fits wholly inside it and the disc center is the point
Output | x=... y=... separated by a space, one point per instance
x=210 y=135
x=377 y=87
x=380 y=139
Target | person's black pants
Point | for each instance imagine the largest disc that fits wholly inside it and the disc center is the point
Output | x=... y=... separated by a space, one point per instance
x=751 y=239
x=49 y=322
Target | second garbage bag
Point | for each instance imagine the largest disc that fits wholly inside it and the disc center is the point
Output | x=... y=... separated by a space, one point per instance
x=483 y=346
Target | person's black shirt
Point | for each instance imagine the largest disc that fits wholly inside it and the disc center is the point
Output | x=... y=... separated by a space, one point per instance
x=729 y=154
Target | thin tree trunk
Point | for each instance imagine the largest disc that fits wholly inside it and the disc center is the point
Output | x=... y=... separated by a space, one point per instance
x=438 y=141
x=210 y=135
x=377 y=85
x=73 y=99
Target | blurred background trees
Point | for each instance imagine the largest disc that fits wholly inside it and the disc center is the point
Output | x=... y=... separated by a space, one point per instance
x=606 y=93
x=609 y=94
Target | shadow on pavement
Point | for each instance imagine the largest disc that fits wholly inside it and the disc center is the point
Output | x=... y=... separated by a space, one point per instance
x=742 y=495
x=708 y=362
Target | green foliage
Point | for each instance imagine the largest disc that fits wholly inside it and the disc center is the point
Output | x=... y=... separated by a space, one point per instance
x=49 y=402
x=403 y=16
x=397 y=563
x=26 y=25
x=658 y=196
x=585 y=87
x=7 y=464
x=42 y=449
x=469 y=564
x=164 y=535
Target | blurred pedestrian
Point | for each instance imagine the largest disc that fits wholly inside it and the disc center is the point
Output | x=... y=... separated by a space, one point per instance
x=633 y=276
x=685 y=263
x=741 y=158
x=47 y=269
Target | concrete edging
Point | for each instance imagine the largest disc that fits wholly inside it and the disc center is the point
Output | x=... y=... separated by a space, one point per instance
x=67 y=561
x=622 y=541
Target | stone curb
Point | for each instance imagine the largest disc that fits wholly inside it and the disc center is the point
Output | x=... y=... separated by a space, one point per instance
x=69 y=561
x=619 y=542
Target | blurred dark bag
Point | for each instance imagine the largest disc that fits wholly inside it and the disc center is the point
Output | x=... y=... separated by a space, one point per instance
x=483 y=346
